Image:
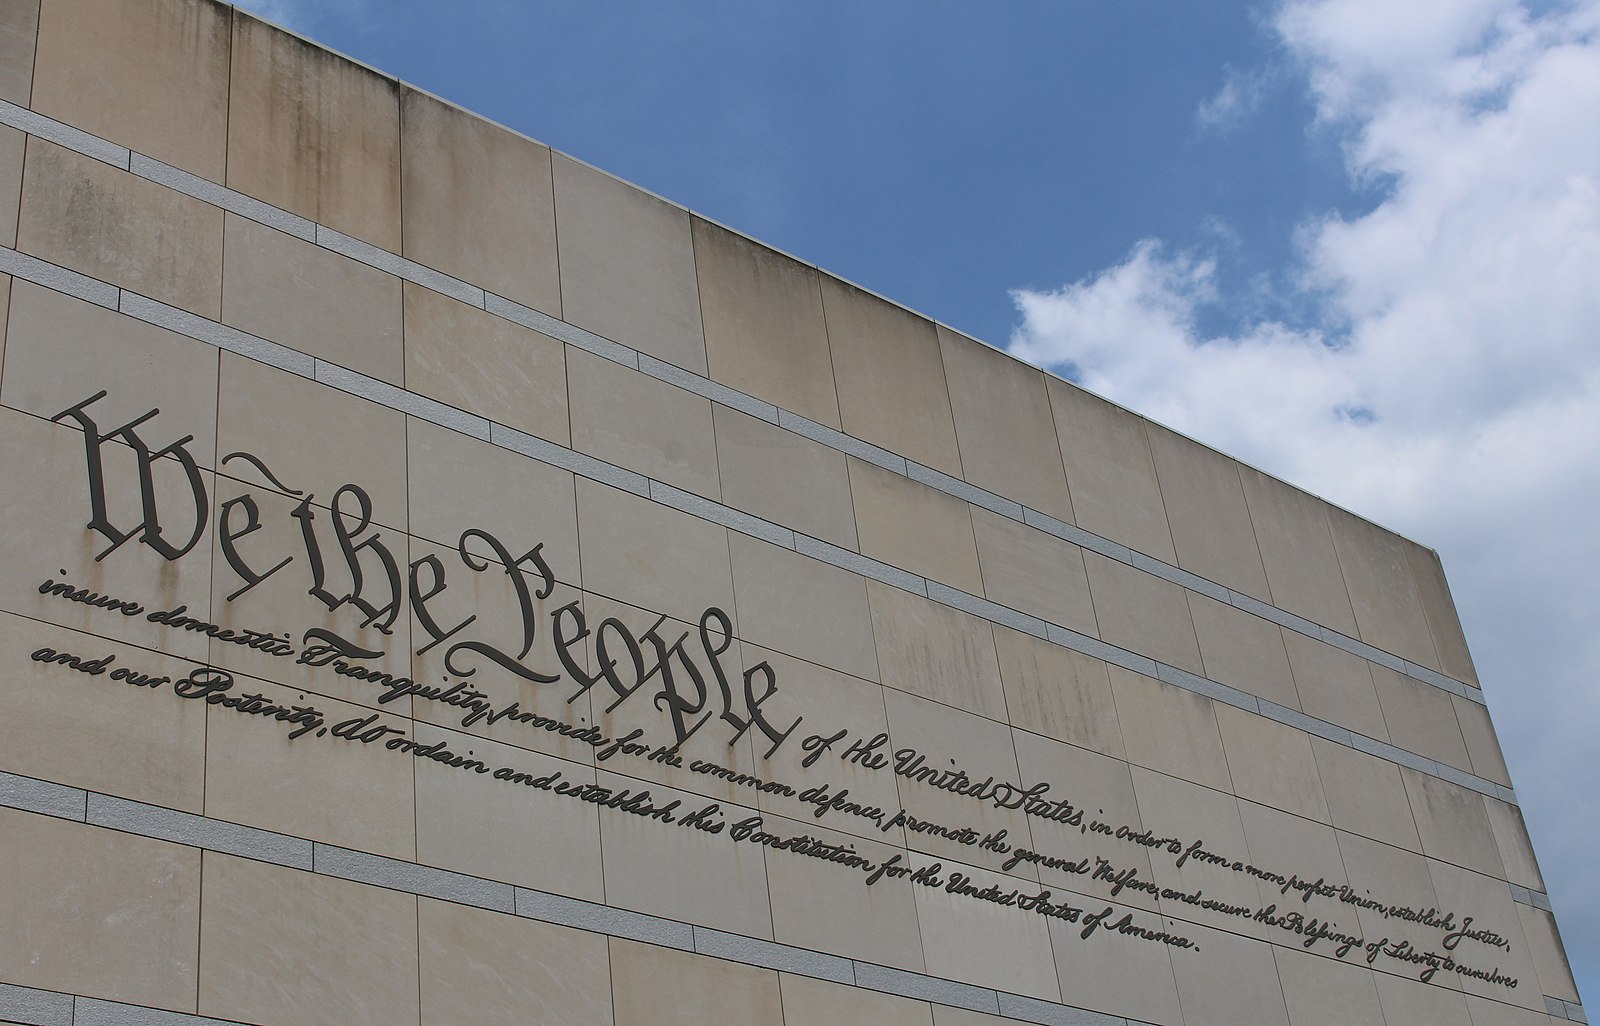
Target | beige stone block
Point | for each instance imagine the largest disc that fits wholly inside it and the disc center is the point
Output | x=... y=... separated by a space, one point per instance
x=1548 y=956
x=941 y=739
x=493 y=969
x=1002 y=415
x=5 y=305
x=494 y=644
x=1452 y=823
x=132 y=738
x=1365 y=794
x=890 y=376
x=1291 y=527
x=1335 y=685
x=765 y=330
x=1110 y=471
x=827 y=702
x=1326 y=992
x=627 y=265
x=1421 y=718
x=479 y=202
x=1118 y=973
x=1511 y=838
x=314 y=133
x=61 y=350
x=784 y=477
x=314 y=300
x=931 y=650
x=1034 y=572
x=46 y=537
x=1102 y=789
x=98 y=912
x=257 y=774
x=826 y=907
x=1383 y=594
x=1392 y=877
x=1487 y=901
x=1169 y=729
x=1207 y=513
x=1483 y=748
x=456 y=482
x=684 y=872
x=1142 y=613
x=914 y=527
x=633 y=420
x=511 y=830
x=655 y=986
x=1174 y=808
x=1486 y=1012
x=154 y=79
x=312 y=437
x=653 y=556
x=808 y=1002
x=19 y=29
x=12 y=145
x=1440 y=610
x=984 y=943
x=475 y=361
x=1419 y=1004
x=1227 y=980
x=111 y=225
x=274 y=969
x=1296 y=852
x=1271 y=763
x=1057 y=692
x=803 y=607
x=1243 y=650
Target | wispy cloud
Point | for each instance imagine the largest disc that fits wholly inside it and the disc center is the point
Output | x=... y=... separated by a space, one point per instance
x=1239 y=97
x=1449 y=382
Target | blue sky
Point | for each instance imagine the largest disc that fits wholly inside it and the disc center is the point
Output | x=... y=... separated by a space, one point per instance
x=1353 y=242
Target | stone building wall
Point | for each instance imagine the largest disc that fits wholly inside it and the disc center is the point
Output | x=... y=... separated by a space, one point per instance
x=446 y=584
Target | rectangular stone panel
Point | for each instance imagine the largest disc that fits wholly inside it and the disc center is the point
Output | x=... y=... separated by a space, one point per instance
x=765 y=330
x=313 y=300
x=478 y=203
x=914 y=527
x=1002 y=417
x=1206 y=510
x=490 y=366
x=314 y=133
x=1109 y=468
x=273 y=969
x=108 y=224
x=19 y=31
x=1383 y=593
x=634 y=421
x=498 y=970
x=91 y=911
x=12 y=145
x=627 y=265
x=784 y=477
x=152 y=77
x=891 y=379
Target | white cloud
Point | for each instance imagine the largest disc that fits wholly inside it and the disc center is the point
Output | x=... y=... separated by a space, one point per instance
x=1239 y=97
x=1451 y=385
